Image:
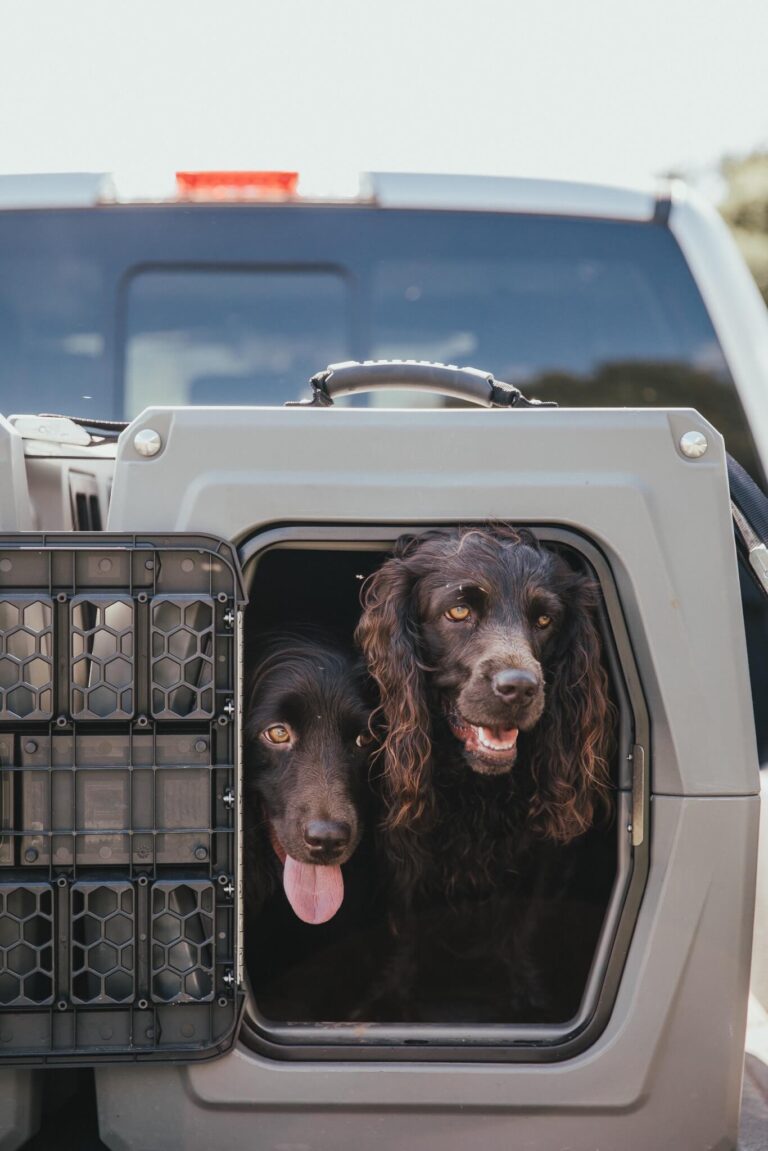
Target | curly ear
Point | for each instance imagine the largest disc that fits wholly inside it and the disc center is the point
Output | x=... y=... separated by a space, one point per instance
x=570 y=763
x=388 y=637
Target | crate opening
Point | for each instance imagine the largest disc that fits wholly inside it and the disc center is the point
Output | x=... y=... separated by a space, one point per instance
x=304 y=974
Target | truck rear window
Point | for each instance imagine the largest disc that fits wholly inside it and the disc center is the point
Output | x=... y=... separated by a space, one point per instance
x=104 y=312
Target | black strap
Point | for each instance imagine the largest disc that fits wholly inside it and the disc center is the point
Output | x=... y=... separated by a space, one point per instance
x=749 y=509
x=109 y=429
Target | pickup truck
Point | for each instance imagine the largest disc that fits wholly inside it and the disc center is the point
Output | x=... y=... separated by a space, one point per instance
x=591 y=296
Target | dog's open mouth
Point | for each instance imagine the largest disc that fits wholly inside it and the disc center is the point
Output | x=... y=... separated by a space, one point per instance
x=315 y=891
x=493 y=747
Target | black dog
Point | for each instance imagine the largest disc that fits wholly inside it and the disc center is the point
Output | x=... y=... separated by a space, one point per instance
x=307 y=802
x=494 y=693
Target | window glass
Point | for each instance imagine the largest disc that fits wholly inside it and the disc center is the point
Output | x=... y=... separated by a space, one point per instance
x=230 y=337
x=52 y=338
x=565 y=316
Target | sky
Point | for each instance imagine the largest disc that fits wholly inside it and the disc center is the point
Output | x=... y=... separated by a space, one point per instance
x=607 y=90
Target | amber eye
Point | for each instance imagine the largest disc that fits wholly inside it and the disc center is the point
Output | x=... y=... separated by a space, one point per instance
x=364 y=739
x=458 y=613
x=277 y=733
x=544 y=621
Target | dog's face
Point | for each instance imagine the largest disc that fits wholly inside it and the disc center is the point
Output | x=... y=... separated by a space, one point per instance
x=490 y=613
x=310 y=745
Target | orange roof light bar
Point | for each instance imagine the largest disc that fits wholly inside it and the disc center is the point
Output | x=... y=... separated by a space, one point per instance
x=236 y=185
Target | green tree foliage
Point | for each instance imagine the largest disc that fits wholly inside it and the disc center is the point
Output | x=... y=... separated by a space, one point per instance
x=745 y=208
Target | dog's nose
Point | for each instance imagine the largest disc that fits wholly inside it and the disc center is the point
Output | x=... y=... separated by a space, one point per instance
x=327 y=835
x=515 y=685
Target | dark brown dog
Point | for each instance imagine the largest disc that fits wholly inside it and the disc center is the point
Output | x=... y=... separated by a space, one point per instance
x=307 y=774
x=494 y=697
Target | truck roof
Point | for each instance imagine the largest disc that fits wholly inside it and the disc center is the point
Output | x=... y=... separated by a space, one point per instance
x=383 y=189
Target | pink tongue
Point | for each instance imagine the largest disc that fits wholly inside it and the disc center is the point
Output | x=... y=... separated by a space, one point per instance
x=499 y=737
x=315 y=893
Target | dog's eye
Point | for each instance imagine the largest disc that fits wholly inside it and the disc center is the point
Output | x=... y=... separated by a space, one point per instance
x=459 y=613
x=364 y=739
x=277 y=733
x=544 y=621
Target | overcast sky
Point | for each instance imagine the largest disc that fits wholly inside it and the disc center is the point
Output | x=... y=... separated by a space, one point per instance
x=589 y=89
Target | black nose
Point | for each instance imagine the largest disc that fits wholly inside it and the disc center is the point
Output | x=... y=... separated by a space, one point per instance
x=515 y=685
x=327 y=835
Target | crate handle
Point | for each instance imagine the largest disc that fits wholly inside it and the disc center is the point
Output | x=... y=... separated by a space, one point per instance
x=469 y=384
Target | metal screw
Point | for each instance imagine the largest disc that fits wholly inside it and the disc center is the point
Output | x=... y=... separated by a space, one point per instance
x=228 y=888
x=147 y=442
x=30 y=747
x=228 y=798
x=201 y=745
x=693 y=445
x=201 y=852
x=228 y=978
x=229 y=618
x=229 y=708
x=30 y=855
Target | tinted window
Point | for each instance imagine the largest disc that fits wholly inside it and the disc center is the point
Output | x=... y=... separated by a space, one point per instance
x=244 y=303
x=224 y=337
x=52 y=334
x=579 y=311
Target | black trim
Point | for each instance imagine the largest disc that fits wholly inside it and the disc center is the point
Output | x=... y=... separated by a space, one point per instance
x=662 y=209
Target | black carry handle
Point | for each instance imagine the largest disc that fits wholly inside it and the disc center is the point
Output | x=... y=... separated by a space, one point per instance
x=469 y=384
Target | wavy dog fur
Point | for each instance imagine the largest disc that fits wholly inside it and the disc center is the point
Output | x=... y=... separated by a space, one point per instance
x=560 y=787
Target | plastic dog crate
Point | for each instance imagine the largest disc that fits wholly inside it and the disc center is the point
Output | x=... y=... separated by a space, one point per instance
x=655 y=1059
x=119 y=682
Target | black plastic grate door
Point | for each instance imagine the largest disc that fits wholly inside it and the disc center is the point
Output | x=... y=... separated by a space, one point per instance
x=119 y=794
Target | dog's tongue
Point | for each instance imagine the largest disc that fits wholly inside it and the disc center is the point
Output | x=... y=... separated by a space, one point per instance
x=315 y=893
x=499 y=738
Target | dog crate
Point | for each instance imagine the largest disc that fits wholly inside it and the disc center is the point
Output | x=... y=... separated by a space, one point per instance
x=119 y=682
x=308 y=500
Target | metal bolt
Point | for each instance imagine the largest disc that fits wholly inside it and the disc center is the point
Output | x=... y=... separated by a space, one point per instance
x=201 y=852
x=693 y=445
x=30 y=747
x=147 y=442
x=30 y=855
x=201 y=745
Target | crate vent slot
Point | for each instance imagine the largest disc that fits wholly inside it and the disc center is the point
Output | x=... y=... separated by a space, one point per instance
x=26 y=945
x=26 y=658
x=182 y=942
x=102 y=644
x=102 y=942
x=182 y=658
